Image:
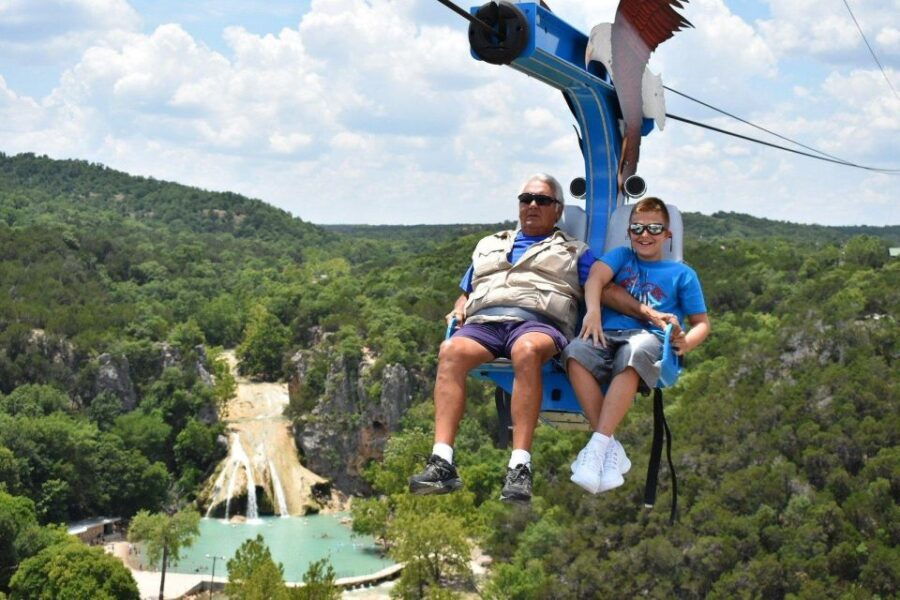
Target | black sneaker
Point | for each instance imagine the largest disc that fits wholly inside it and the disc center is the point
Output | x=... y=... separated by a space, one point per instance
x=517 y=486
x=439 y=477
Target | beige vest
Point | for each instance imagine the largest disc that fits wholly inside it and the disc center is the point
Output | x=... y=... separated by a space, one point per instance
x=544 y=280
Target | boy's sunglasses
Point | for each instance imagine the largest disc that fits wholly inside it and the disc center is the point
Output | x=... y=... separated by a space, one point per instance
x=652 y=228
x=541 y=199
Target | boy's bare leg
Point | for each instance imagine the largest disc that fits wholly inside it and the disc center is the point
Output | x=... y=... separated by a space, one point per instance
x=528 y=355
x=456 y=358
x=619 y=398
x=587 y=390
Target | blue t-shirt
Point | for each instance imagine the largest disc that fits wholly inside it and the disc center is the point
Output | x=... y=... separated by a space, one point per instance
x=665 y=285
x=520 y=245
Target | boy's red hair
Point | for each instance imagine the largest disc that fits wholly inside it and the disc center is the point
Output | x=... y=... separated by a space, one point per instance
x=651 y=204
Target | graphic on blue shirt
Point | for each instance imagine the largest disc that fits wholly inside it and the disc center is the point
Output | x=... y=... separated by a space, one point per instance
x=520 y=245
x=665 y=285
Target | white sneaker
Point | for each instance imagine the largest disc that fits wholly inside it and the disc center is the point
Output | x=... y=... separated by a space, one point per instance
x=615 y=464
x=588 y=469
x=624 y=465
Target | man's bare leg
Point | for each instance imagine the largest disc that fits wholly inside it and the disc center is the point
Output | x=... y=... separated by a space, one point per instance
x=587 y=390
x=528 y=354
x=456 y=358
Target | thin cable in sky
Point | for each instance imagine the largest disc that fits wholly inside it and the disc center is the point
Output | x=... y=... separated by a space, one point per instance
x=771 y=145
x=872 y=52
x=760 y=127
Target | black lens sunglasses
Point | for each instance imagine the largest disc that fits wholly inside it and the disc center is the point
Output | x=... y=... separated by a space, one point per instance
x=541 y=199
x=652 y=228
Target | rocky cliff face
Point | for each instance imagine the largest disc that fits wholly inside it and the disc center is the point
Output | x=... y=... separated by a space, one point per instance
x=347 y=427
x=113 y=376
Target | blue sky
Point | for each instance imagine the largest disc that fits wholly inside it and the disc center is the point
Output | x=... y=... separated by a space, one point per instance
x=374 y=112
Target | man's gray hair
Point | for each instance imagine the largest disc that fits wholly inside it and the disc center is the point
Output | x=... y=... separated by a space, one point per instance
x=549 y=180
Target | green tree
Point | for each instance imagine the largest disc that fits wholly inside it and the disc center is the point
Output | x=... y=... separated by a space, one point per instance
x=254 y=575
x=16 y=515
x=196 y=446
x=35 y=401
x=104 y=409
x=435 y=550
x=9 y=470
x=866 y=251
x=265 y=341
x=186 y=336
x=147 y=433
x=164 y=536
x=318 y=583
x=72 y=570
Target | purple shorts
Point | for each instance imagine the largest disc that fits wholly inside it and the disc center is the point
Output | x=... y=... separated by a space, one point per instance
x=499 y=337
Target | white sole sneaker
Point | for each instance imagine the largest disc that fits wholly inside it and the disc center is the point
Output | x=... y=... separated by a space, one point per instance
x=587 y=470
x=586 y=479
x=612 y=478
x=624 y=465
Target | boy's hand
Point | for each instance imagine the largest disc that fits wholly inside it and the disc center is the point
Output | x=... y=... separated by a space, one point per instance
x=591 y=328
x=679 y=341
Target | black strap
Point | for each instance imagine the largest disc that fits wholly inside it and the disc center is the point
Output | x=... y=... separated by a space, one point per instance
x=503 y=402
x=660 y=426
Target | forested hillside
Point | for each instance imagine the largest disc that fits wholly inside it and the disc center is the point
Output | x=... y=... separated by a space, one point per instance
x=118 y=291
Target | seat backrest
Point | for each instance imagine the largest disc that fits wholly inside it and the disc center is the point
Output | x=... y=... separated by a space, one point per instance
x=574 y=222
x=617 y=232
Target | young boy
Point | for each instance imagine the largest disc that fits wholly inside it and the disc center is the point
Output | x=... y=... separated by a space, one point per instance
x=624 y=348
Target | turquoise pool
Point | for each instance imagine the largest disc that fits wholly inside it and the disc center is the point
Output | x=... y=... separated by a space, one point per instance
x=295 y=542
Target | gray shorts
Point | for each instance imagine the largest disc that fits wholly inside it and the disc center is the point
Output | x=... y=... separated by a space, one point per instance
x=635 y=348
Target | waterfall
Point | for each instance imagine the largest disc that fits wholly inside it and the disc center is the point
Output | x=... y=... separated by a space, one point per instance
x=239 y=459
x=217 y=487
x=230 y=489
x=279 y=491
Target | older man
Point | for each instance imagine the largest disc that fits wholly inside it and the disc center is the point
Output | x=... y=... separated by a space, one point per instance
x=520 y=300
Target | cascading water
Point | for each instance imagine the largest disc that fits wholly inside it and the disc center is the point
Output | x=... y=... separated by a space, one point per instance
x=217 y=487
x=260 y=439
x=279 y=491
x=234 y=468
x=238 y=459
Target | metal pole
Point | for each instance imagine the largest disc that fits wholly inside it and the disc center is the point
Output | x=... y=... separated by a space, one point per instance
x=212 y=574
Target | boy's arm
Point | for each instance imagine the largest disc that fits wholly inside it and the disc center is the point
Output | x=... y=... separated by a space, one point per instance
x=616 y=298
x=598 y=277
x=700 y=328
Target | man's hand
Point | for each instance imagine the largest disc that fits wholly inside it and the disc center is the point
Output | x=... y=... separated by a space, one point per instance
x=659 y=319
x=459 y=310
x=591 y=328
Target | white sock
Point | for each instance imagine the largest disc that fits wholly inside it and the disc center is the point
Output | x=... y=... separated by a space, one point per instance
x=444 y=451
x=600 y=442
x=520 y=457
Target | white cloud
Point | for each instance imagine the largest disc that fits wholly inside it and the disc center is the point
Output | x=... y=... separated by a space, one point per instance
x=47 y=30
x=827 y=31
x=374 y=111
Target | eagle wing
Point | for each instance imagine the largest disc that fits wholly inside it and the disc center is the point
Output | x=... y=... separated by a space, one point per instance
x=654 y=20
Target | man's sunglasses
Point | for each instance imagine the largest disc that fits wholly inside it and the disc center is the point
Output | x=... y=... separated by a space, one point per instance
x=541 y=199
x=652 y=228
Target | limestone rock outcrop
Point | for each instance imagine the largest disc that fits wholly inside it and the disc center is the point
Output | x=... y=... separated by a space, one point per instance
x=113 y=377
x=349 y=424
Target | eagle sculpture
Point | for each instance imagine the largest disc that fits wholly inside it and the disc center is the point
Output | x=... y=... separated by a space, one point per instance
x=624 y=48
